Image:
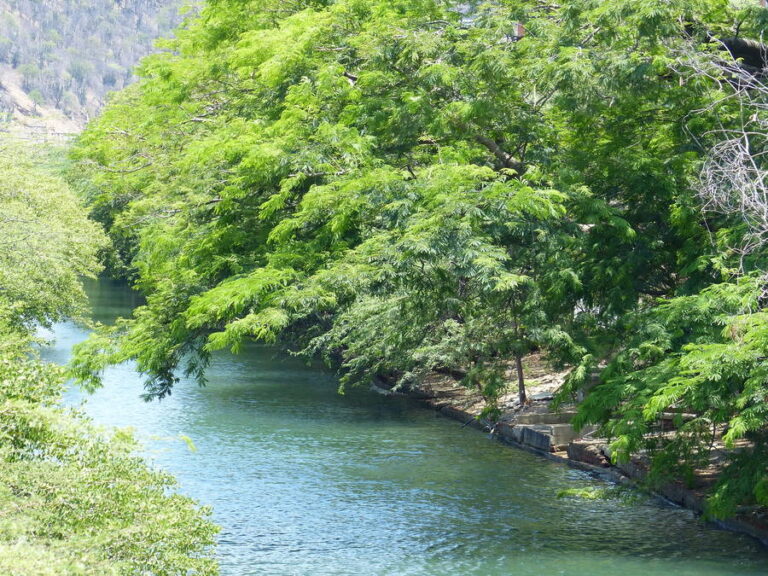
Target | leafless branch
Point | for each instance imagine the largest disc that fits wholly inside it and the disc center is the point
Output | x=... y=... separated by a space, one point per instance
x=734 y=178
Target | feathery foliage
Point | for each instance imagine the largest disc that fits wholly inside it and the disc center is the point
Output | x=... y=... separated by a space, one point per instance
x=74 y=500
x=414 y=186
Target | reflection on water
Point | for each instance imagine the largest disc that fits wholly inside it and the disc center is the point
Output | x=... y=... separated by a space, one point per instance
x=307 y=482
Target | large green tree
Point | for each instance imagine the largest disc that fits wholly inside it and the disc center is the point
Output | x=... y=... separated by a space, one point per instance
x=694 y=361
x=353 y=178
x=411 y=186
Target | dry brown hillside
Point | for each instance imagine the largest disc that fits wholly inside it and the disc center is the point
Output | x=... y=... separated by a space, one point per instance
x=60 y=58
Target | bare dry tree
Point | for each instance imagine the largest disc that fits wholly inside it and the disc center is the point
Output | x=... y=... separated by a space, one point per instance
x=734 y=177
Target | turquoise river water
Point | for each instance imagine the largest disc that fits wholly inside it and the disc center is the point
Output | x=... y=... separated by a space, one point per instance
x=304 y=481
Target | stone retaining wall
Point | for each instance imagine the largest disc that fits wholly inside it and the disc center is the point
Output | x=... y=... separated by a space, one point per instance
x=545 y=434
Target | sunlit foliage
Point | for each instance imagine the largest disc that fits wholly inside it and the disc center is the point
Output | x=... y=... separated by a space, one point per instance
x=73 y=499
x=414 y=186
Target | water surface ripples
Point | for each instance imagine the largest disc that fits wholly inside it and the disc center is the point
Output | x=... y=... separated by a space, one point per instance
x=307 y=482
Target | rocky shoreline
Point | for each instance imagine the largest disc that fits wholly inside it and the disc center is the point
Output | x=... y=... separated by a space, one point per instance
x=540 y=431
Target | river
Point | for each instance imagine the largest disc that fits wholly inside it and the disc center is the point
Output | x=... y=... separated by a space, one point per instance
x=305 y=481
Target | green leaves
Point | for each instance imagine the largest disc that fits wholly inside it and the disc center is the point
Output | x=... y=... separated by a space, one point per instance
x=235 y=296
x=402 y=188
x=46 y=244
x=74 y=500
x=264 y=325
x=77 y=501
x=702 y=356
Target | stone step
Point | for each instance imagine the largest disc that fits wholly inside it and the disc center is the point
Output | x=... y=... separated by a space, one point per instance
x=546 y=418
x=544 y=437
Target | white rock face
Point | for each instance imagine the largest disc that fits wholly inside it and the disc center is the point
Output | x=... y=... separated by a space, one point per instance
x=25 y=118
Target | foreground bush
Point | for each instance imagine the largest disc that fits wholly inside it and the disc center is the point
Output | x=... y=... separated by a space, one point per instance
x=72 y=499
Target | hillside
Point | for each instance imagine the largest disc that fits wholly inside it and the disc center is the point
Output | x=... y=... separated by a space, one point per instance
x=60 y=58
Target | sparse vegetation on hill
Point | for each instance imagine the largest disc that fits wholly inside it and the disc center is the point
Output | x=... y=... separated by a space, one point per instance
x=68 y=54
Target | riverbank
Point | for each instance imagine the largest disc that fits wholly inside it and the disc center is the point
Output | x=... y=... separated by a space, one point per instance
x=537 y=429
x=304 y=480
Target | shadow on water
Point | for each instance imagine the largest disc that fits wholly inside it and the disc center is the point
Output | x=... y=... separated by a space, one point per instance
x=307 y=482
x=111 y=299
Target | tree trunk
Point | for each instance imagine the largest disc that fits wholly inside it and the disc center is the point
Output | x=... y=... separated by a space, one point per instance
x=520 y=380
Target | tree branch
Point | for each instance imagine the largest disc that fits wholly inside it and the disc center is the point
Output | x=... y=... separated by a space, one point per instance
x=505 y=159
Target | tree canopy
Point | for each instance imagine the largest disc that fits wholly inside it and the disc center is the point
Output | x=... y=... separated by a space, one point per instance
x=412 y=186
x=75 y=500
